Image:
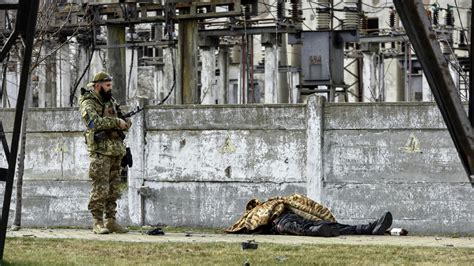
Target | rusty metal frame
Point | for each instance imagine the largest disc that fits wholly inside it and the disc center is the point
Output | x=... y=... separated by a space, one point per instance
x=25 y=27
x=423 y=38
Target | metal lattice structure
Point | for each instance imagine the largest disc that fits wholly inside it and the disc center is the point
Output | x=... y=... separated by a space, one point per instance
x=25 y=29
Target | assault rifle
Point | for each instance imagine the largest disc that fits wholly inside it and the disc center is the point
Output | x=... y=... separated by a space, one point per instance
x=125 y=116
x=131 y=113
x=101 y=135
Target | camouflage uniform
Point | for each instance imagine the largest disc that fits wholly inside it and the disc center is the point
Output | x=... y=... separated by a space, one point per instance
x=259 y=214
x=105 y=155
x=299 y=215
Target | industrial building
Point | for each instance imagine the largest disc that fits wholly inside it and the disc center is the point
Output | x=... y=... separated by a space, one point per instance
x=220 y=56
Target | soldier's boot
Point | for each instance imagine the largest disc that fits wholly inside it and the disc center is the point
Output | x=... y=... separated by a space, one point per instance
x=99 y=228
x=114 y=227
x=376 y=228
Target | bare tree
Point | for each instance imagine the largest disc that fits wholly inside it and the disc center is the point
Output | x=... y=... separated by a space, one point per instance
x=47 y=29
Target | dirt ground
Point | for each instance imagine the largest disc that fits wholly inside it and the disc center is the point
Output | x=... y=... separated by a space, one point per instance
x=135 y=236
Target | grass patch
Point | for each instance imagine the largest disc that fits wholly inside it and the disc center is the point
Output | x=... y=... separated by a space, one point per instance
x=30 y=251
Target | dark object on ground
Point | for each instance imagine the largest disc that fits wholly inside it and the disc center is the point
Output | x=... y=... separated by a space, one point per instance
x=290 y=223
x=250 y=244
x=155 y=232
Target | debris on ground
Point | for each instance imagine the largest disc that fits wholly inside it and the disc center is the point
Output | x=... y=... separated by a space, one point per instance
x=249 y=244
x=155 y=232
x=398 y=232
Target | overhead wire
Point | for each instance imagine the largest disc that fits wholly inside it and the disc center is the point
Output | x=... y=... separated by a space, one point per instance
x=173 y=86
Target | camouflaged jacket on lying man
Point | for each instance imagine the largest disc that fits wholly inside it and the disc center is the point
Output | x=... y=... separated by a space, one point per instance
x=299 y=215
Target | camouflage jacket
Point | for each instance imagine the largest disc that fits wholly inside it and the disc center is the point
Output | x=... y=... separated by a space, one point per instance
x=100 y=116
x=259 y=214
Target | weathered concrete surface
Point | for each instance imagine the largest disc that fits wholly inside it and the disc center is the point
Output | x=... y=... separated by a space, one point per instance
x=419 y=241
x=210 y=204
x=371 y=156
x=226 y=117
x=199 y=165
x=398 y=158
x=393 y=116
x=226 y=155
x=221 y=157
x=420 y=206
x=59 y=202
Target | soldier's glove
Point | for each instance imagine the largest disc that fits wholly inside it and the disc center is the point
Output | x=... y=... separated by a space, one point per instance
x=127 y=159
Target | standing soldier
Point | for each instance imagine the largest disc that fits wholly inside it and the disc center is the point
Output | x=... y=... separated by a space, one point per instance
x=106 y=149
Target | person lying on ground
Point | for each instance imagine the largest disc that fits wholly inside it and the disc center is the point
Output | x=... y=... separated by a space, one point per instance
x=299 y=215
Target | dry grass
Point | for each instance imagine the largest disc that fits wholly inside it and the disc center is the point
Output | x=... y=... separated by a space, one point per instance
x=27 y=251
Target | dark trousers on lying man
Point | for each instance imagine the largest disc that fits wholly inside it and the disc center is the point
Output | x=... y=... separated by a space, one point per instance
x=289 y=223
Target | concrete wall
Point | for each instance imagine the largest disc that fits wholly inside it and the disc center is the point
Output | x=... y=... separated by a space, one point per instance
x=199 y=165
x=396 y=157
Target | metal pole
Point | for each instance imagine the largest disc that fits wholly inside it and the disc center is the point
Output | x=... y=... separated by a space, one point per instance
x=27 y=14
x=243 y=97
x=471 y=72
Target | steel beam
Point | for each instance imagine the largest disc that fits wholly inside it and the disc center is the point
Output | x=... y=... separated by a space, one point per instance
x=418 y=28
x=25 y=25
x=246 y=31
x=3 y=139
x=10 y=42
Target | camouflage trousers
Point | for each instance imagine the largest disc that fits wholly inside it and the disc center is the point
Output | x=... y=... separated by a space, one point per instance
x=104 y=171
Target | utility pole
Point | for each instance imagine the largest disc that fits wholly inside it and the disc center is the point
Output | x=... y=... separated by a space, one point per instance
x=116 y=60
x=188 y=61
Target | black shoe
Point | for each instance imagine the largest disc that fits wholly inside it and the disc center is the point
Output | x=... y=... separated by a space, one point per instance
x=381 y=225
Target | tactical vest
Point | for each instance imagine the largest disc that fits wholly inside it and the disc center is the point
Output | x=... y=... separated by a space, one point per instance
x=106 y=142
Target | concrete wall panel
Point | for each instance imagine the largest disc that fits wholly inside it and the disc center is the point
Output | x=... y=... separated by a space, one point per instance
x=56 y=156
x=64 y=203
x=373 y=156
x=208 y=204
x=227 y=117
x=46 y=120
x=382 y=116
x=251 y=156
x=421 y=207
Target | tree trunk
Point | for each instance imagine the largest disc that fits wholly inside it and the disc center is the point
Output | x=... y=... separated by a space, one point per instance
x=21 y=164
